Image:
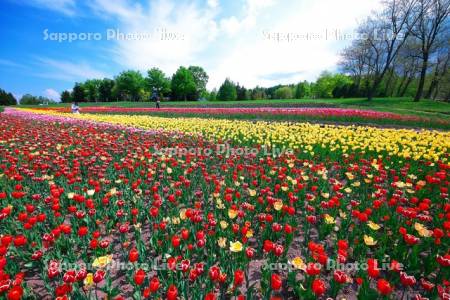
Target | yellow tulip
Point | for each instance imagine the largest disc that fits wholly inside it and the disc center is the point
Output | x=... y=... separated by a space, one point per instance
x=236 y=246
x=373 y=226
x=102 y=261
x=369 y=241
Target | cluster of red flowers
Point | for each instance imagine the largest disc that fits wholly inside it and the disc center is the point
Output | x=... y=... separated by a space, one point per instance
x=75 y=200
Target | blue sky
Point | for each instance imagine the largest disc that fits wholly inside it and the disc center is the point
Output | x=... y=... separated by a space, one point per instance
x=254 y=42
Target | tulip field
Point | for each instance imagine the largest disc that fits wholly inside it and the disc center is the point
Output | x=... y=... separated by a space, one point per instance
x=289 y=113
x=117 y=204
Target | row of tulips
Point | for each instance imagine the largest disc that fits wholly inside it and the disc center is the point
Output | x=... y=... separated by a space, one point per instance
x=322 y=113
x=312 y=138
x=81 y=202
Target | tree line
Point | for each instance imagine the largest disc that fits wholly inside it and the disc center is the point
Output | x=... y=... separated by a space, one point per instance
x=186 y=84
x=7 y=98
x=190 y=84
x=404 y=46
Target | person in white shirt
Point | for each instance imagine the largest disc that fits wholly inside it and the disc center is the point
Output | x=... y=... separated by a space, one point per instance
x=75 y=108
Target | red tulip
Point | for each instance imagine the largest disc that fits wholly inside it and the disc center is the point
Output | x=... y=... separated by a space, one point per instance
x=123 y=228
x=411 y=239
x=407 y=280
x=268 y=246
x=81 y=275
x=185 y=264
x=104 y=244
x=15 y=293
x=250 y=252
x=443 y=260
x=154 y=284
x=176 y=241
x=184 y=234
x=276 y=282
x=6 y=240
x=37 y=255
x=311 y=219
x=214 y=273
x=318 y=287
x=139 y=277
x=20 y=241
x=52 y=272
x=99 y=275
x=93 y=244
x=278 y=250
x=238 y=277
x=69 y=276
x=210 y=296
x=288 y=229
x=82 y=231
x=342 y=244
x=373 y=270
x=384 y=287
x=340 y=276
x=312 y=269
x=172 y=292
x=133 y=255
x=428 y=286
x=396 y=266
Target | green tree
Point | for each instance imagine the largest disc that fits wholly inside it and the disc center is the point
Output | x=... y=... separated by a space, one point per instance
x=324 y=86
x=302 y=90
x=328 y=82
x=7 y=98
x=200 y=78
x=258 y=93
x=91 y=87
x=129 y=85
x=66 y=97
x=156 y=79
x=105 y=90
x=242 y=93
x=227 y=91
x=212 y=96
x=78 y=94
x=284 y=92
x=29 y=99
x=183 y=85
x=11 y=99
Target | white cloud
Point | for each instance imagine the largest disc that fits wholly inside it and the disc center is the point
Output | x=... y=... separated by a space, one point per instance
x=225 y=40
x=194 y=27
x=230 y=25
x=52 y=94
x=213 y=3
x=254 y=60
x=68 y=71
x=10 y=63
x=234 y=45
x=66 y=7
x=251 y=8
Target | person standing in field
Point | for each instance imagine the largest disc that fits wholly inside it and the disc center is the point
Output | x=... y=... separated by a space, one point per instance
x=75 y=108
x=155 y=97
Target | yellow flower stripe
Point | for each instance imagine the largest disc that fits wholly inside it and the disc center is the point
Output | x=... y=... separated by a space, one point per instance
x=405 y=143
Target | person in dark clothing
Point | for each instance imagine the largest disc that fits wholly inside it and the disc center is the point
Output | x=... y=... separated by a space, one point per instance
x=155 y=97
